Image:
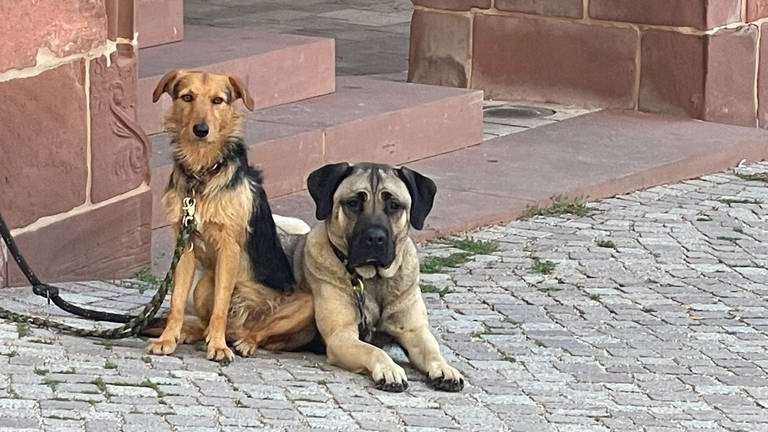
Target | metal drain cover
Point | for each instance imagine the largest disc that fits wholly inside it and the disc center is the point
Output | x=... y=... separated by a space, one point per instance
x=518 y=111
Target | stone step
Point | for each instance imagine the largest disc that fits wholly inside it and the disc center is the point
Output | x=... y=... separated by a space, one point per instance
x=597 y=155
x=364 y=119
x=277 y=68
x=159 y=22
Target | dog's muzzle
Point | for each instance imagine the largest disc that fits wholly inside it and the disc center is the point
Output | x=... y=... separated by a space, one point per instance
x=371 y=245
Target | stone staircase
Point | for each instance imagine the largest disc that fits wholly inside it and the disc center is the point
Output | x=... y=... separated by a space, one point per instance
x=305 y=115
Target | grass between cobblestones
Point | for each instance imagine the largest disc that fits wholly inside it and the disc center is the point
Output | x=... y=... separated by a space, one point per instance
x=469 y=248
x=606 y=244
x=23 y=329
x=431 y=289
x=560 y=205
x=762 y=176
x=542 y=266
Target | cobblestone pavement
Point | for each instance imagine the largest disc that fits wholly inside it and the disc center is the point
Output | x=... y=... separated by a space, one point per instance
x=653 y=317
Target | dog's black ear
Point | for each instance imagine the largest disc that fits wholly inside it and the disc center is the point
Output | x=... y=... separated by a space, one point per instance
x=422 y=190
x=165 y=84
x=322 y=184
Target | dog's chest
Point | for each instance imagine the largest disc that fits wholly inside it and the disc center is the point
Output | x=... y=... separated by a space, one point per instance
x=376 y=297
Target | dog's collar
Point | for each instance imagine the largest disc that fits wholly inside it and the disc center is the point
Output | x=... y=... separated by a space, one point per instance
x=358 y=287
x=197 y=178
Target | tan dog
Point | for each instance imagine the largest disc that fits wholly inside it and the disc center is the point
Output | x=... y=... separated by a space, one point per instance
x=363 y=271
x=241 y=295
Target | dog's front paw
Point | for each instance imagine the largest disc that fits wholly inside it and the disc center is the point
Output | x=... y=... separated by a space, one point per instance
x=246 y=347
x=390 y=378
x=220 y=354
x=446 y=378
x=162 y=346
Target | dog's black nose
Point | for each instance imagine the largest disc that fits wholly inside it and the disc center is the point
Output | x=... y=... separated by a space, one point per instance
x=376 y=237
x=200 y=130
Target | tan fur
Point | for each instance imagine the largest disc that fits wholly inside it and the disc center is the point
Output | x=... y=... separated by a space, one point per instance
x=392 y=295
x=229 y=305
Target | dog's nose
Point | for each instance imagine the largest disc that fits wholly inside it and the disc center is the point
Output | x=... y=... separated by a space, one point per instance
x=200 y=130
x=376 y=237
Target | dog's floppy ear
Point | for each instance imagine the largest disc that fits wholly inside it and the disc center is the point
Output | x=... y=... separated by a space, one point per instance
x=241 y=91
x=322 y=184
x=165 y=84
x=422 y=190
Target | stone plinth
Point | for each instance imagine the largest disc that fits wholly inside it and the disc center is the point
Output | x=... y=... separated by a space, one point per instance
x=698 y=58
x=74 y=166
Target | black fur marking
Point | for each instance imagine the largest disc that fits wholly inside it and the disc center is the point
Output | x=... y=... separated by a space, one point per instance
x=422 y=190
x=447 y=385
x=395 y=387
x=322 y=184
x=234 y=153
x=268 y=261
x=175 y=89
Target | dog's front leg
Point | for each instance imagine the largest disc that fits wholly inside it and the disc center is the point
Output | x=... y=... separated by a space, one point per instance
x=413 y=334
x=337 y=322
x=182 y=282
x=225 y=276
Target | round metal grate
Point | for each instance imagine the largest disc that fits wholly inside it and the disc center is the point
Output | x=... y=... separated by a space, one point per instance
x=518 y=111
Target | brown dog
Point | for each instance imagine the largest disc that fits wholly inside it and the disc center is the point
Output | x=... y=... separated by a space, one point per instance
x=244 y=274
x=363 y=271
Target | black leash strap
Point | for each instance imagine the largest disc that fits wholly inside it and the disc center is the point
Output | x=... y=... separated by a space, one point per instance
x=51 y=292
x=132 y=325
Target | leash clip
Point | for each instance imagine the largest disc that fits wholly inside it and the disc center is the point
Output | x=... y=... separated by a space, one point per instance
x=358 y=285
x=188 y=206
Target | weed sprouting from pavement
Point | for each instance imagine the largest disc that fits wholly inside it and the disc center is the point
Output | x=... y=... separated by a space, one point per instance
x=560 y=204
x=541 y=266
x=606 y=244
x=476 y=247
x=434 y=264
x=23 y=329
x=762 y=177
x=431 y=289
x=100 y=384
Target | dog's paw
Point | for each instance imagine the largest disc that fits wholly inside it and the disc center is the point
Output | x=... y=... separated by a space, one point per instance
x=390 y=378
x=246 y=347
x=445 y=378
x=220 y=354
x=162 y=346
x=394 y=387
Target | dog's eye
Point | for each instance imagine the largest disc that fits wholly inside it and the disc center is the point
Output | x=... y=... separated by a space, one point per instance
x=217 y=100
x=393 y=206
x=355 y=204
x=187 y=98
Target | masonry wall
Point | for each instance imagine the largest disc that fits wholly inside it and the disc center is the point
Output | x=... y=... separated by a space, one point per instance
x=705 y=59
x=73 y=160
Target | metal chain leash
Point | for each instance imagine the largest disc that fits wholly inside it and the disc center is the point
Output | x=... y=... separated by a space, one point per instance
x=133 y=324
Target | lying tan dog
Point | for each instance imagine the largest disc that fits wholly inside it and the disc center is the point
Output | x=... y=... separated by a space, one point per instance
x=245 y=278
x=363 y=271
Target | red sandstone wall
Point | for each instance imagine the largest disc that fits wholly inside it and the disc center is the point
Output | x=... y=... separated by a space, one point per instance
x=700 y=58
x=73 y=161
